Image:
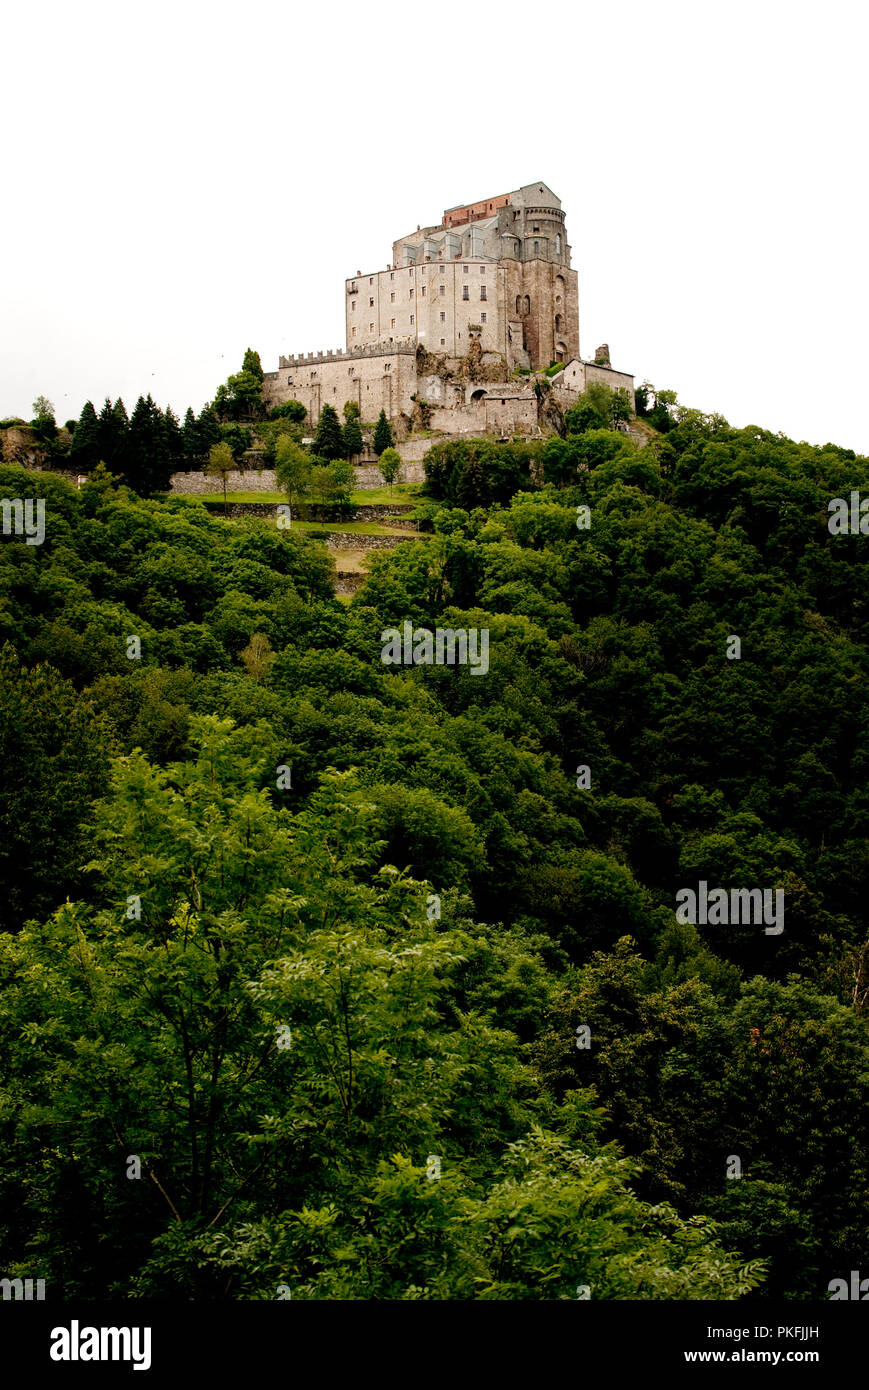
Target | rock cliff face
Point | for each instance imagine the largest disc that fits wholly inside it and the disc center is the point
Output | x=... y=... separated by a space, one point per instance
x=549 y=413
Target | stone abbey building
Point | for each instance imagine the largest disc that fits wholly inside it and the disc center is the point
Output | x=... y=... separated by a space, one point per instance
x=445 y=325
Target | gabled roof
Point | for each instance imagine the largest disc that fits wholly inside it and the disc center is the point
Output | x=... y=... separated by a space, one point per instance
x=538 y=191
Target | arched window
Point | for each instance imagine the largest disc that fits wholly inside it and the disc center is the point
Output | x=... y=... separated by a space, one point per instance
x=558 y=323
x=518 y=304
x=558 y=243
x=527 y=304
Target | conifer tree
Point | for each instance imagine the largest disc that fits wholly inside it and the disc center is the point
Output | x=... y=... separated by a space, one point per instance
x=353 y=441
x=147 y=466
x=329 y=441
x=174 y=441
x=84 y=452
x=382 y=434
x=208 y=431
x=190 y=440
x=112 y=427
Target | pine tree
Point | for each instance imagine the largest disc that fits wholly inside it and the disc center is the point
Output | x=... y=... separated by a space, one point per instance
x=353 y=441
x=190 y=440
x=328 y=441
x=147 y=466
x=84 y=452
x=174 y=441
x=208 y=431
x=382 y=434
x=112 y=429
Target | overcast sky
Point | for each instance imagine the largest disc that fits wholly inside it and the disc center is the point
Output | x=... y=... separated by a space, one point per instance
x=183 y=180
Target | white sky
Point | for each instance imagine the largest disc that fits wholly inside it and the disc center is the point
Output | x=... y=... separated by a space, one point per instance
x=177 y=177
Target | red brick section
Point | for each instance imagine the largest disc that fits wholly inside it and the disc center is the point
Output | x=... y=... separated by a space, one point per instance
x=457 y=217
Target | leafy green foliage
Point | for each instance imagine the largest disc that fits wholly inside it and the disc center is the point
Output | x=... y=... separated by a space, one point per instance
x=337 y=977
x=290 y=410
x=241 y=396
x=390 y=466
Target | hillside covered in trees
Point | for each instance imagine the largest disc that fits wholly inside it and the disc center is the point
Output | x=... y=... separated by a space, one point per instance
x=349 y=980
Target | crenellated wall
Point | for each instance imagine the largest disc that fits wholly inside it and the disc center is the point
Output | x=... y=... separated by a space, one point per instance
x=374 y=379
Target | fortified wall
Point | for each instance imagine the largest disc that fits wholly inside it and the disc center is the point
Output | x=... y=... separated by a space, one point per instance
x=375 y=378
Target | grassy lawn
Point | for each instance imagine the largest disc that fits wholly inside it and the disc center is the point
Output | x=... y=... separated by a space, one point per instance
x=350 y=561
x=360 y=528
x=271 y=497
x=372 y=497
x=381 y=496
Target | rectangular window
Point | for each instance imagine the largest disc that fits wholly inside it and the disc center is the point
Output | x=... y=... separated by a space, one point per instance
x=371 y=279
x=392 y=325
x=443 y=317
x=392 y=274
x=442 y=270
x=482 y=291
x=410 y=272
x=482 y=320
x=466 y=293
x=392 y=297
x=411 y=318
x=482 y=270
x=411 y=294
x=371 y=328
x=352 y=306
x=423 y=291
x=354 y=332
x=443 y=342
x=443 y=289
x=465 y=269
x=371 y=303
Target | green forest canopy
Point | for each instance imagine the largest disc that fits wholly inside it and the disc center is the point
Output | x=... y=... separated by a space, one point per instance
x=236 y=976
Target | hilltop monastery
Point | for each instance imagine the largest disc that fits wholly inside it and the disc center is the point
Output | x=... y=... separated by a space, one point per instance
x=435 y=339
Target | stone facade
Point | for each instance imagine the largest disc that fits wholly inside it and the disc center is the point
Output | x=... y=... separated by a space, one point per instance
x=577 y=375
x=460 y=307
x=375 y=378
